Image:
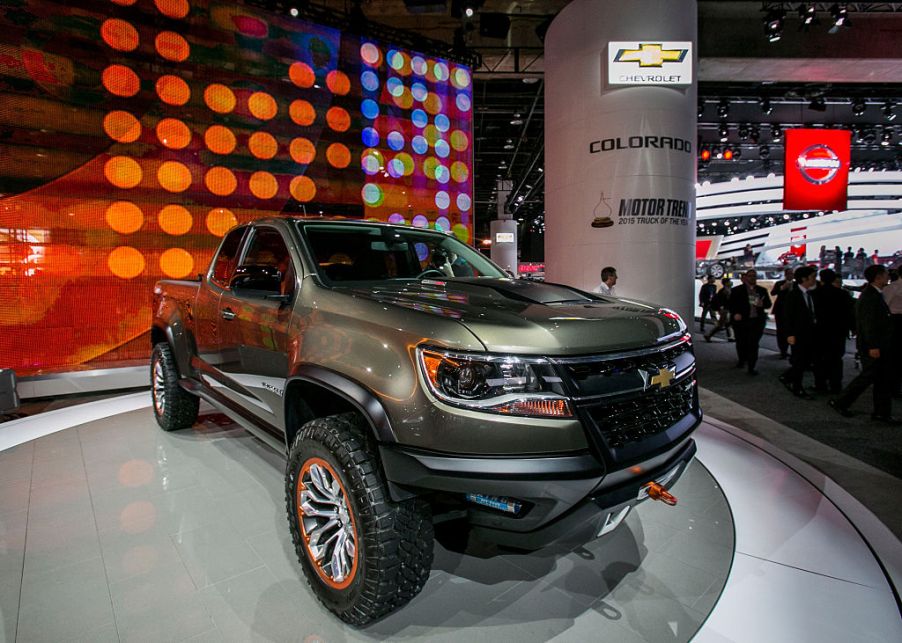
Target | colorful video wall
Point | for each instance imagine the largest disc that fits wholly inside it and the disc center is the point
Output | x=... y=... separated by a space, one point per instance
x=135 y=133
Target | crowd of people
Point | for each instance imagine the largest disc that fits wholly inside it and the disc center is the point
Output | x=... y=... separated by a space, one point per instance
x=815 y=316
x=848 y=264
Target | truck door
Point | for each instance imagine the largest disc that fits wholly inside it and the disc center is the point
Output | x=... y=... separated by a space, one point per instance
x=206 y=306
x=254 y=317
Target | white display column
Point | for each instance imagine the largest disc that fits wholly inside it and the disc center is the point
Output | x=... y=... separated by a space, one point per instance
x=620 y=138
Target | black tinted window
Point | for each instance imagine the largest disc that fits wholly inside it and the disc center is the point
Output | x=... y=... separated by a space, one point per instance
x=267 y=248
x=227 y=257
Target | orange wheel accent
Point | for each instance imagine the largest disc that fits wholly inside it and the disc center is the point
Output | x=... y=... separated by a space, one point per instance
x=319 y=499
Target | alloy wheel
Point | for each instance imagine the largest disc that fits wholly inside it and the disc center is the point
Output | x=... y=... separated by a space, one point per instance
x=159 y=387
x=329 y=528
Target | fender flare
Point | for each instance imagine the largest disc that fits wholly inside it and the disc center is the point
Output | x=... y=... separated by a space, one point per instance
x=356 y=394
x=174 y=330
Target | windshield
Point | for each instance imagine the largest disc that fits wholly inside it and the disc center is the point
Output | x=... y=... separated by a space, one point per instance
x=356 y=253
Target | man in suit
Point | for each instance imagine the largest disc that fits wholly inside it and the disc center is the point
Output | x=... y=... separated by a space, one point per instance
x=779 y=291
x=875 y=341
x=748 y=308
x=892 y=294
x=834 y=310
x=799 y=322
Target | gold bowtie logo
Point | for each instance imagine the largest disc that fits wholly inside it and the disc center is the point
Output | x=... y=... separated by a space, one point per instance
x=664 y=377
x=650 y=55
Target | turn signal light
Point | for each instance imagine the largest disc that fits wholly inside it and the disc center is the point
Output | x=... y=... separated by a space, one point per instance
x=546 y=408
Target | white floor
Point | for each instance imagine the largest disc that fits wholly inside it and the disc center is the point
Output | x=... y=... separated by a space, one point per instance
x=119 y=531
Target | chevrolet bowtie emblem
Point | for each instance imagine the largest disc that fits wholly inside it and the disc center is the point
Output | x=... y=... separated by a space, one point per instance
x=650 y=55
x=663 y=378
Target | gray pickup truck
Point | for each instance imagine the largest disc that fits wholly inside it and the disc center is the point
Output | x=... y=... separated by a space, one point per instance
x=408 y=379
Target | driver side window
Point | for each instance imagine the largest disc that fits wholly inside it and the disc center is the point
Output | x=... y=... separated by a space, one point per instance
x=267 y=249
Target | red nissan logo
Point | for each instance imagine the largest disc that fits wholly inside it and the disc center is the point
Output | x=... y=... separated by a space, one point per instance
x=818 y=164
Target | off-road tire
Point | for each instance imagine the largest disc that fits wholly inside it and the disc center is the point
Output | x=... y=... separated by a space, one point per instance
x=394 y=540
x=176 y=408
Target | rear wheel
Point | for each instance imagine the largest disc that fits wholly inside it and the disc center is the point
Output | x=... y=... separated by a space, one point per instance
x=174 y=407
x=363 y=555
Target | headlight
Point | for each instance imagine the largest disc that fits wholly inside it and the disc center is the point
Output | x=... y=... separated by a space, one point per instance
x=495 y=383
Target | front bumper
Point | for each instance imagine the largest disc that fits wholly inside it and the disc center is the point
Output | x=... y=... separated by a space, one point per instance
x=560 y=492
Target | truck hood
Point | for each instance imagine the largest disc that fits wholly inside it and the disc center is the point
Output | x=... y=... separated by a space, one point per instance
x=514 y=316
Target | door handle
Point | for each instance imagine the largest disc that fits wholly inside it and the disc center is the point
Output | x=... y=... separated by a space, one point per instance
x=228 y=313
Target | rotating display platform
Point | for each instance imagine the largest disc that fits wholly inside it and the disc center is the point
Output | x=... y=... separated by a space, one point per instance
x=116 y=530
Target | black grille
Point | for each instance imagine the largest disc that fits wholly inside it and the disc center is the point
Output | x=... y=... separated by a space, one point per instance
x=627 y=421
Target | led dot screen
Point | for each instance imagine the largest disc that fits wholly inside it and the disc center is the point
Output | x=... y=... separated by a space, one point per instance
x=139 y=133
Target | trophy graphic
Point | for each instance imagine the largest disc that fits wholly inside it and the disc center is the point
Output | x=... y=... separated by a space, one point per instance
x=602 y=220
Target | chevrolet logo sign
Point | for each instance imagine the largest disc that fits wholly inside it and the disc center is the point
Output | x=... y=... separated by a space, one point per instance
x=650 y=55
x=662 y=378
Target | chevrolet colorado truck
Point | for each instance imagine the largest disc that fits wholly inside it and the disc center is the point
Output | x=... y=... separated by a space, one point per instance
x=406 y=377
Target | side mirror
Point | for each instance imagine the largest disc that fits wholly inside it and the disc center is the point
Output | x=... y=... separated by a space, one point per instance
x=256 y=281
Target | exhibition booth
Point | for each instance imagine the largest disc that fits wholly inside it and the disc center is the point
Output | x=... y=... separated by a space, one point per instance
x=141 y=145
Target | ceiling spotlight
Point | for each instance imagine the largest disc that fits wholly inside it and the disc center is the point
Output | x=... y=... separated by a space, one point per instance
x=764 y=151
x=773 y=24
x=516 y=120
x=717 y=153
x=754 y=133
x=766 y=107
x=818 y=104
x=886 y=138
x=468 y=12
x=743 y=132
x=723 y=132
x=776 y=134
x=888 y=112
x=723 y=109
x=840 y=15
x=806 y=13
x=728 y=154
x=294 y=12
x=737 y=153
x=858 y=107
x=701 y=108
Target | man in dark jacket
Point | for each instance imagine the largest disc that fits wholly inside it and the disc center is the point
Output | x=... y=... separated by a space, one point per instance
x=799 y=321
x=722 y=306
x=706 y=296
x=748 y=308
x=834 y=309
x=779 y=291
x=875 y=340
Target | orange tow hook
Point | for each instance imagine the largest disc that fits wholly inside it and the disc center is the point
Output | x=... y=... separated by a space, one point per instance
x=658 y=492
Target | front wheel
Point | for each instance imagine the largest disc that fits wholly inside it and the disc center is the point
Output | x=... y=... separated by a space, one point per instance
x=364 y=555
x=716 y=270
x=174 y=407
